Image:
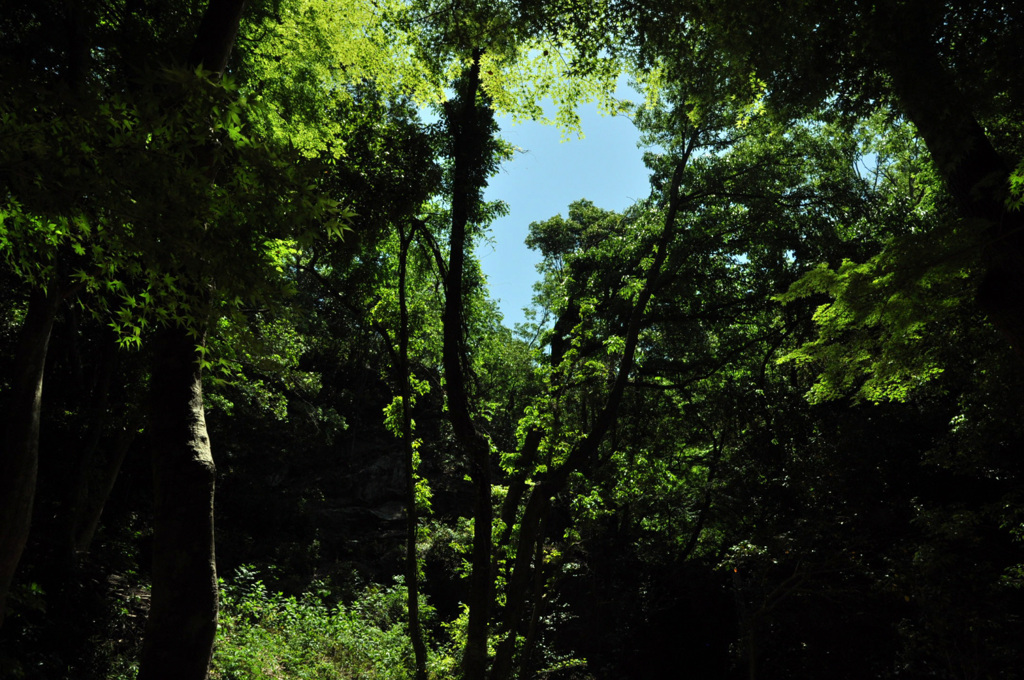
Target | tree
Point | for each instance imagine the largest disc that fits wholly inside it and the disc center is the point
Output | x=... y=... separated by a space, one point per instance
x=480 y=44
x=182 y=619
x=42 y=234
x=918 y=57
x=729 y=467
x=21 y=441
x=54 y=241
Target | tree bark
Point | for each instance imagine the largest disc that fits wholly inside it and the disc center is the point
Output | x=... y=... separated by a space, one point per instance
x=19 y=459
x=182 y=620
x=517 y=485
x=530 y=539
x=532 y=629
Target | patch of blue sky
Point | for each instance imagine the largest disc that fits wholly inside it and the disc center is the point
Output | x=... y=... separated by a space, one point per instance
x=542 y=179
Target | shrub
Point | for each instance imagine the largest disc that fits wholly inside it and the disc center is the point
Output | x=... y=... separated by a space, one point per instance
x=269 y=635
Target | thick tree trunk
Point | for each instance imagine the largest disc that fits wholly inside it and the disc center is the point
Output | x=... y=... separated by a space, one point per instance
x=183 y=613
x=182 y=621
x=973 y=171
x=216 y=35
x=19 y=459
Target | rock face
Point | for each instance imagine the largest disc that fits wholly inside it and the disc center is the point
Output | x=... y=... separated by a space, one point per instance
x=323 y=504
x=365 y=504
x=380 y=477
x=321 y=496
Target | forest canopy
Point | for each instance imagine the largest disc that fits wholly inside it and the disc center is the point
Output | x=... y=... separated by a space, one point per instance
x=261 y=418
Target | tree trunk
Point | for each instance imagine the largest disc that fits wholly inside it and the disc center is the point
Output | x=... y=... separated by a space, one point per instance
x=528 y=547
x=412 y=525
x=183 y=613
x=469 y=127
x=92 y=486
x=96 y=469
x=182 y=621
x=19 y=459
x=533 y=628
x=216 y=35
x=531 y=528
x=976 y=176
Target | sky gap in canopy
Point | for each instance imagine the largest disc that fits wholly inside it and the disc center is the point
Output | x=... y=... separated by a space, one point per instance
x=545 y=176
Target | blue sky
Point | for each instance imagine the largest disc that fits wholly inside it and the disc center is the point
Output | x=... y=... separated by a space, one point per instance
x=605 y=167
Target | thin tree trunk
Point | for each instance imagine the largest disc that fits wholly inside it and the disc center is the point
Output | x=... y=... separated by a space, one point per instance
x=92 y=465
x=183 y=612
x=530 y=539
x=539 y=582
x=19 y=459
x=412 y=579
x=534 y=515
x=93 y=485
x=469 y=127
x=517 y=486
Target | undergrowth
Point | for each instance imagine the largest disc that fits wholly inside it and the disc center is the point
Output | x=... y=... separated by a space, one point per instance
x=263 y=634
